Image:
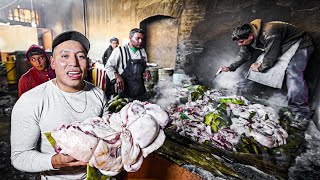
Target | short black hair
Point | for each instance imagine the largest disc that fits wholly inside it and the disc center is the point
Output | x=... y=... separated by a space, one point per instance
x=114 y=39
x=135 y=30
x=71 y=35
x=241 y=32
x=34 y=51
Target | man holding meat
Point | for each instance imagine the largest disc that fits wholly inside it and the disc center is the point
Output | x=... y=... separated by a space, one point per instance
x=126 y=66
x=62 y=100
x=274 y=39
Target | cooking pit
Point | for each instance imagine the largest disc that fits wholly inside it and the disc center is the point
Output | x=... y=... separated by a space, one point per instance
x=192 y=38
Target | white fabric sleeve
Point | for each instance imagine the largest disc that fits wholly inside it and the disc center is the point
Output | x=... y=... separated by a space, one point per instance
x=111 y=65
x=25 y=133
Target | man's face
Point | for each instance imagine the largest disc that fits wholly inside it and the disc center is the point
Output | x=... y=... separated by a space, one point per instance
x=38 y=61
x=245 y=42
x=114 y=44
x=70 y=64
x=136 y=40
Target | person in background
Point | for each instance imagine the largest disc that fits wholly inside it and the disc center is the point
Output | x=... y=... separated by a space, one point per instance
x=114 y=42
x=39 y=73
x=275 y=38
x=126 y=67
x=62 y=100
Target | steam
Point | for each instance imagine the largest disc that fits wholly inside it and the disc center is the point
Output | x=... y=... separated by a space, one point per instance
x=228 y=82
x=277 y=100
x=166 y=93
x=168 y=90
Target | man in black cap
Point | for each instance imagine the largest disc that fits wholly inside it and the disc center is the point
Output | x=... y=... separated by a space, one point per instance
x=65 y=99
x=114 y=42
x=39 y=73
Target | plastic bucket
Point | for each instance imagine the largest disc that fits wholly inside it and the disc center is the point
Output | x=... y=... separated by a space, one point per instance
x=11 y=70
x=154 y=73
x=165 y=73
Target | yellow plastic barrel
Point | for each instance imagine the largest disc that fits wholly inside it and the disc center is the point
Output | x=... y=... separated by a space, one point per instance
x=11 y=70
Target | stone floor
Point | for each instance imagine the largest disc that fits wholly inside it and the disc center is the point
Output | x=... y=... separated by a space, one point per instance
x=8 y=96
x=7 y=171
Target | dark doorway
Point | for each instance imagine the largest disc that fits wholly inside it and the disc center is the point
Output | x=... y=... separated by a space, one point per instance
x=161 y=40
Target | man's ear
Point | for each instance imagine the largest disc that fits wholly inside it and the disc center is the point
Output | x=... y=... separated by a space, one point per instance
x=251 y=36
x=52 y=62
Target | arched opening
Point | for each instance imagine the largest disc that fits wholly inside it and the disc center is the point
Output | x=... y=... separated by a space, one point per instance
x=161 y=40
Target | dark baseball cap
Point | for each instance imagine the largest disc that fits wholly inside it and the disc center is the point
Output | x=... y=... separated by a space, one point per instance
x=114 y=39
x=35 y=50
x=71 y=35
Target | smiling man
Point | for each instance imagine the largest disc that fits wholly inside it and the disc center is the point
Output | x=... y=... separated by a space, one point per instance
x=39 y=73
x=62 y=100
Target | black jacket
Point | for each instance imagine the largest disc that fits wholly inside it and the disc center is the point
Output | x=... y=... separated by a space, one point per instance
x=273 y=38
x=106 y=55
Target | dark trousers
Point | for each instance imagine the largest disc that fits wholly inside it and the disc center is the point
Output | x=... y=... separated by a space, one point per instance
x=297 y=89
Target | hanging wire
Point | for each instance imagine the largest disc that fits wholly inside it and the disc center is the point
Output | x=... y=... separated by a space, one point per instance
x=5 y=6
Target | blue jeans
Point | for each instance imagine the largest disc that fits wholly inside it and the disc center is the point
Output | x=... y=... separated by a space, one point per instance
x=297 y=89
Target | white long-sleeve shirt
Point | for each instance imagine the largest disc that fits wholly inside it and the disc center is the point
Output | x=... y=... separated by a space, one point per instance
x=114 y=63
x=43 y=109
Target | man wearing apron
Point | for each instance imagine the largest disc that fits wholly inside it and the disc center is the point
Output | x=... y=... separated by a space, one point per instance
x=126 y=67
x=276 y=40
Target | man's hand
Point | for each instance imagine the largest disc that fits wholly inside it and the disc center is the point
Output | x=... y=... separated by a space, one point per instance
x=147 y=75
x=61 y=160
x=255 y=66
x=225 y=69
x=119 y=82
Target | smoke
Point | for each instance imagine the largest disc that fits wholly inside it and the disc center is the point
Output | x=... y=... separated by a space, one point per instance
x=181 y=79
x=228 y=82
x=166 y=93
x=277 y=100
x=168 y=90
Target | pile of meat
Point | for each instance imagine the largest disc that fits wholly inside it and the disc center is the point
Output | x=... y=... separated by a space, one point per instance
x=263 y=125
x=120 y=141
x=236 y=119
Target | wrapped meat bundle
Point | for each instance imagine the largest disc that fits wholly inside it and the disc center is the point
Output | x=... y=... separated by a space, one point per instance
x=118 y=142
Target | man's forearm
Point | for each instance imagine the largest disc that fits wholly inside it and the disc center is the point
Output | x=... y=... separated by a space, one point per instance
x=61 y=160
